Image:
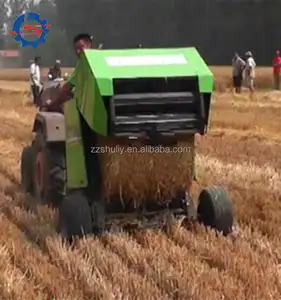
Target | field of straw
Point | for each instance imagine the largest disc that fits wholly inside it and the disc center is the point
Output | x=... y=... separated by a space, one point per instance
x=222 y=75
x=241 y=152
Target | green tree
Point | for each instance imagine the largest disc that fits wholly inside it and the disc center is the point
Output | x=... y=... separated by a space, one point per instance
x=3 y=20
x=15 y=8
x=56 y=44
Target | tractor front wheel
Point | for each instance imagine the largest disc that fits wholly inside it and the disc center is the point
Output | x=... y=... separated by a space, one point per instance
x=215 y=209
x=75 y=216
x=26 y=168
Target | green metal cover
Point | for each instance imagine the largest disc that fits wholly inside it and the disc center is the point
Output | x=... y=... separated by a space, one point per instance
x=93 y=77
x=97 y=68
x=138 y=63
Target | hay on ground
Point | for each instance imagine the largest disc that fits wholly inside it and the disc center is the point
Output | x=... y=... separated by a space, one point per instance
x=144 y=174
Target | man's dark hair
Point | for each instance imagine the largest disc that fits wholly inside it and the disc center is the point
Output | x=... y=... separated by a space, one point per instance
x=82 y=36
x=37 y=58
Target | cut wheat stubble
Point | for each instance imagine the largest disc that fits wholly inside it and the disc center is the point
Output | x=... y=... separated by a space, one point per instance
x=189 y=263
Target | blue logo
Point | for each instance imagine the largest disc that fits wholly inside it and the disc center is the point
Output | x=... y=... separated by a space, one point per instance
x=41 y=29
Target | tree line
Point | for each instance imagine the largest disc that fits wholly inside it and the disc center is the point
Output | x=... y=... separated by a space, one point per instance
x=217 y=28
x=56 y=46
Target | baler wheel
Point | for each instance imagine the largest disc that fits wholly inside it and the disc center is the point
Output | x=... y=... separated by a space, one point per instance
x=75 y=217
x=49 y=176
x=215 y=209
x=26 y=168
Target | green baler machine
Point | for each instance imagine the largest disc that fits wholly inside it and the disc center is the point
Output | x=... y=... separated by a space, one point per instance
x=139 y=97
x=138 y=71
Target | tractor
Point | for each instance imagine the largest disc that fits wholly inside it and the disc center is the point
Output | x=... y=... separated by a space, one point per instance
x=140 y=97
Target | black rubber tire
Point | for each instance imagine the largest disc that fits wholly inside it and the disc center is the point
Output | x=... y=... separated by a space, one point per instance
x=215 y=209
x=26 y=168
x=75 y=216
x=54 y=175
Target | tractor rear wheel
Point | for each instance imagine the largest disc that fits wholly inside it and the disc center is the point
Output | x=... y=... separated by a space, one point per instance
x=215 y=209
x=75 y=216
x=49 y=171
x=26 y=167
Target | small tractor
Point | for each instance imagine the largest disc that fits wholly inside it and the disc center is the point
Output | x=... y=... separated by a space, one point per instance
x=129 y=99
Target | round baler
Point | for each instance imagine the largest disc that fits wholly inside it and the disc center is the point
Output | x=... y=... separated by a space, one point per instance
x=109 y=160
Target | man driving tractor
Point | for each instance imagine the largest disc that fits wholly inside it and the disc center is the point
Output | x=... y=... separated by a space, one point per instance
x=55 y=71
x=81 y=42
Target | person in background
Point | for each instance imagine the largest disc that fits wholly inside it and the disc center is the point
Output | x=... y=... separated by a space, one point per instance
x=238 y=66
x=35 y=80
x=55 y=71
x=250 y=71
x=276 y=63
